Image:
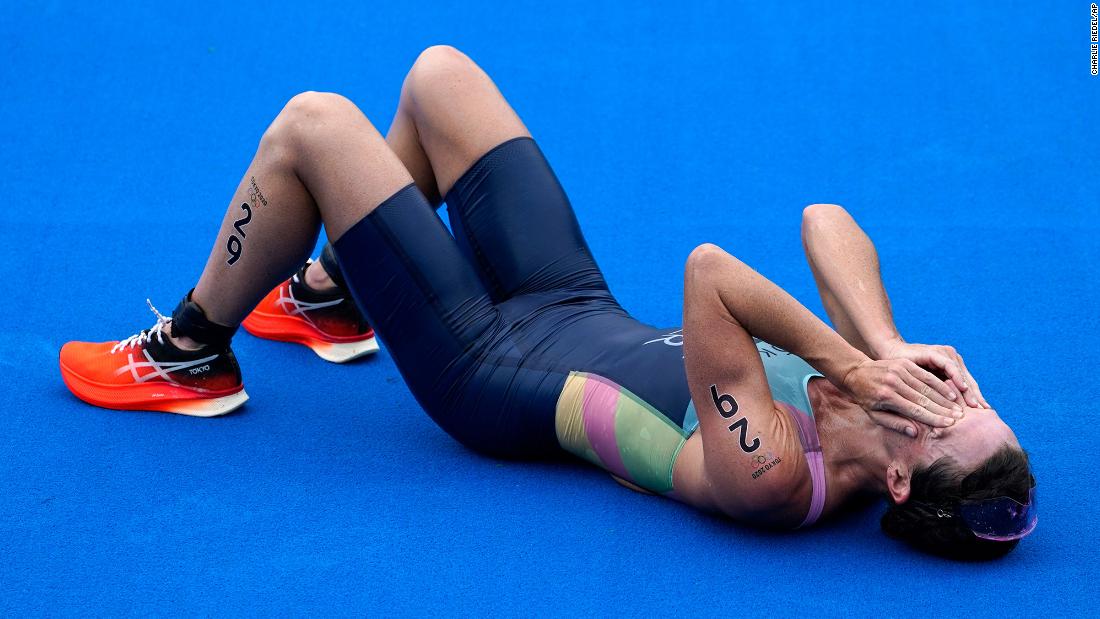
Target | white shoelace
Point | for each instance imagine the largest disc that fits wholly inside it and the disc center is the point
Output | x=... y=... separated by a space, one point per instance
x=147 y=335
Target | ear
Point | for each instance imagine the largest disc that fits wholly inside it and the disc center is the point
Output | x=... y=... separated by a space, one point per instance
x=898 y=476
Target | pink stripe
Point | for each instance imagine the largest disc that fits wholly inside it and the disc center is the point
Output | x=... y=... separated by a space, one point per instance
x=817 y=474
x=811 y=447
x=601 y=400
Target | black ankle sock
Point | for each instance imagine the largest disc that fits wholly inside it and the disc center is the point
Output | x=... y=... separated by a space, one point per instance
x=188 y=320
x=329 y=264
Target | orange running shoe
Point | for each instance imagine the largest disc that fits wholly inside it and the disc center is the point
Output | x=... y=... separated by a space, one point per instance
x=147 y=372
x=327 y=322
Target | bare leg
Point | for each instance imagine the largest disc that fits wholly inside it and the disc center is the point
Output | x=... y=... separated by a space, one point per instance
x=450 y=114
x=321 y=160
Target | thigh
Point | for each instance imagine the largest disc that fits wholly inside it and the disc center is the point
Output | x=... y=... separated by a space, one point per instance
x=507 y=209
x=512 y=217
x=448 y=340
x=418 y=292
x=450 y=114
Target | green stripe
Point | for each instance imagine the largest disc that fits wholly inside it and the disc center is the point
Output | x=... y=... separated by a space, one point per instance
x=648 y=442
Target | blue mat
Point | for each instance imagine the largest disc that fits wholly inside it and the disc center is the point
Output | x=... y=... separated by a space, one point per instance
x=965 y=139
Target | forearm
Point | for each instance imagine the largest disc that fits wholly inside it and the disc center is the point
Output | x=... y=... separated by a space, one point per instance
x=846 y=268
x=766 y=311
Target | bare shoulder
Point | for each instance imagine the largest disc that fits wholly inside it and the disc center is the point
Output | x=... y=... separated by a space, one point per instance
x=768 y=487
x=746 y=460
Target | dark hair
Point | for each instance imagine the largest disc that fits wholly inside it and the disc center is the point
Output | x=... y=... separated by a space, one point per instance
x=930 y=519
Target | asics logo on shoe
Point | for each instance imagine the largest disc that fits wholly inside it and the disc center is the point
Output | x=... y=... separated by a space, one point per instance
x=299 y=306
x=159 y=370
x=296 y=307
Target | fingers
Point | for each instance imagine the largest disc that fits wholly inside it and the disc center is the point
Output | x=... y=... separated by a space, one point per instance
x=973 y=395
x=950 y=361
x=946 y=363
x=951 y=383
x=911 y=403
x=907 y=402
x=929 y=385
x=891 y=421
x=981 y=398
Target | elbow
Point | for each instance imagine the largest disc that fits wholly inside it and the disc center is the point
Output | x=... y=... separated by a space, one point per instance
x=815 y=215
x=703 y=261
x=817 y=220
x=705 y=256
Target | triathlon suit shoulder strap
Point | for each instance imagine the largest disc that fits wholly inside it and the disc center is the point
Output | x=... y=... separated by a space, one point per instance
x=789 y=378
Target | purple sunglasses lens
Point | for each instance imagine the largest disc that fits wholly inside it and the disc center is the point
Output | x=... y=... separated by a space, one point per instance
x=1001 y=519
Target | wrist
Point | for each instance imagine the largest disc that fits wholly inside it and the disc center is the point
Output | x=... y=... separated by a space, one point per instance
x=839 y=366
x=882 y=348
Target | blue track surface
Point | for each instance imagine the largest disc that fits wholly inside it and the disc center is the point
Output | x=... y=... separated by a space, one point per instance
x=966 y=140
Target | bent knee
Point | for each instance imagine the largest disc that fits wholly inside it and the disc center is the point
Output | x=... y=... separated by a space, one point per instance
x=821 y=211
x=313 y=104
x=705 y=259
x=307 y=114
x=442 y=59
x=438 y=65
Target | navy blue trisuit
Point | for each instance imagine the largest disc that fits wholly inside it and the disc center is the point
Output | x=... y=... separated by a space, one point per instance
x=486 y=325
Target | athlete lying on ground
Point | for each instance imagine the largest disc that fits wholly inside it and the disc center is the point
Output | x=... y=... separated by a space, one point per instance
x=507 y=335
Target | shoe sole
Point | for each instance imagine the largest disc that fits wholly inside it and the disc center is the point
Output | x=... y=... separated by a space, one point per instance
x=157 y=397
x=295 y=330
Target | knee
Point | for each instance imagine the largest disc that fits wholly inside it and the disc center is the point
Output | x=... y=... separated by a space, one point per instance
x=316 y=105
x=705 y=258
x=436 y=67
x=305 y=116
x=821 y=211
x=442 y=59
